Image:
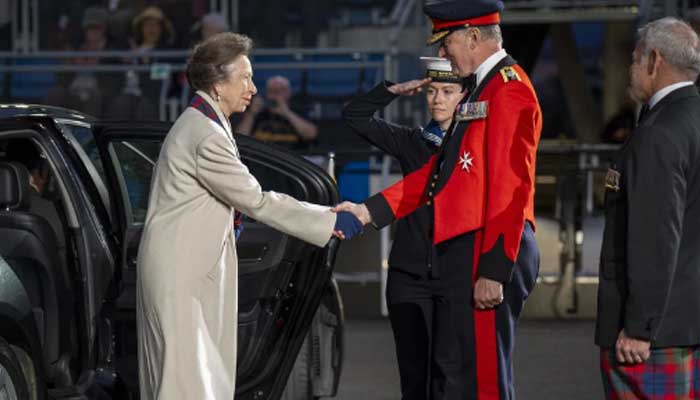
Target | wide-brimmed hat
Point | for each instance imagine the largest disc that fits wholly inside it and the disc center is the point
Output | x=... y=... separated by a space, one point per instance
x=155 y=13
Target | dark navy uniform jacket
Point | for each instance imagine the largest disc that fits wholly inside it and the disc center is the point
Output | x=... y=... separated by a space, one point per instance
x=410 y=249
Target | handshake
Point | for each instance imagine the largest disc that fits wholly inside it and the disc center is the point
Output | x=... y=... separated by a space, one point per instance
x=350 y=220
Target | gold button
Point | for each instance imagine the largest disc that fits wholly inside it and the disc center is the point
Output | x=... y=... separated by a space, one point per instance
x=435 y=176
x=430 y=194
x=432 y=184
x=429 y=202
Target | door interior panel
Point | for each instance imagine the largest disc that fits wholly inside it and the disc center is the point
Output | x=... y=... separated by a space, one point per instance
x=259 y=248
x=280 y=277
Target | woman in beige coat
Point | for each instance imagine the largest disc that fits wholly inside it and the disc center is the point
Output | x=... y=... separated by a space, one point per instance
x=187 y=268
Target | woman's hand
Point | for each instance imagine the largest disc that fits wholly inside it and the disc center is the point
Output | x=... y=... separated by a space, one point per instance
x=409 y=88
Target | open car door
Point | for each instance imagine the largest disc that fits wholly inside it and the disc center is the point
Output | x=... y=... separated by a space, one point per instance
x=281 y=279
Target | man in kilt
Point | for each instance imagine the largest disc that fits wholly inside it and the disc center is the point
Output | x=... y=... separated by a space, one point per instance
x=648 y=325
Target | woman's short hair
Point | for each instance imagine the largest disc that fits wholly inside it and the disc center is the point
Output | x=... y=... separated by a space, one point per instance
x=209 y=59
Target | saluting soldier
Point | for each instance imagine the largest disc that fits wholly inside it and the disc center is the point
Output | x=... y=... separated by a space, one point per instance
x=480 y=188
x=410 y=294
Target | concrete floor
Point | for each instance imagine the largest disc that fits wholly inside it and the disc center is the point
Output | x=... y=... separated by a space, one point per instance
x=554 y=360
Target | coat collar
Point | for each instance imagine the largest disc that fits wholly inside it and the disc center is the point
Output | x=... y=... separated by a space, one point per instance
x=214 y=105
x=658 y=96
x=678 y=94
x=489 y=65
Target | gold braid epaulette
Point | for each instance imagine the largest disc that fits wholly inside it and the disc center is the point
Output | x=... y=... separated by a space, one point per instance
x=509 y=74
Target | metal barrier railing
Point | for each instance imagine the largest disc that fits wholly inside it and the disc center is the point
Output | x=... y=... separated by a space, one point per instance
x=173 y=62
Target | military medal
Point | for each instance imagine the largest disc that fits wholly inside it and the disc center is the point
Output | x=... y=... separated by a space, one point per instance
x=612 y=180
x=466 y=161
x=471 y=111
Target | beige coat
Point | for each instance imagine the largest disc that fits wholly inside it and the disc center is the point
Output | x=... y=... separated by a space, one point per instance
x=187 y=268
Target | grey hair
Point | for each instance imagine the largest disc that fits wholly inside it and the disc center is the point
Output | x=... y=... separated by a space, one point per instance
x=676 y=41
x=491 y=32
x=488 y=32
x=211 y=59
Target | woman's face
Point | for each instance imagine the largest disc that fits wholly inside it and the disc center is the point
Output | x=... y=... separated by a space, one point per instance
x=238 y=89
x=151 y=29
x=442 y=100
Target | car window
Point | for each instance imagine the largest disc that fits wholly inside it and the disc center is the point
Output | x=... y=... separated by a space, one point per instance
x=273 y=178
x=82 y=140
x=86 y=139
x=135 y=160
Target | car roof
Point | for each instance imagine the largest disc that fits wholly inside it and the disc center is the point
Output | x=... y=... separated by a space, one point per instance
x=38 y=110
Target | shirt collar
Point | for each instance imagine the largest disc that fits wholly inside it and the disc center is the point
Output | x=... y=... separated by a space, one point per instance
x=488 y=65
x=656 y=98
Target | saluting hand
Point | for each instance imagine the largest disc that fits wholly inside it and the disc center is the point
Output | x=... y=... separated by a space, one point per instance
x=409 y=88
x=487 y=293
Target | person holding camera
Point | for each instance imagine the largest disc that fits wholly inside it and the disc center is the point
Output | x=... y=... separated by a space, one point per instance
x=272 y=120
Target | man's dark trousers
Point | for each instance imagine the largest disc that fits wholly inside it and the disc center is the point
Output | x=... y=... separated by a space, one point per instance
x=460 y=370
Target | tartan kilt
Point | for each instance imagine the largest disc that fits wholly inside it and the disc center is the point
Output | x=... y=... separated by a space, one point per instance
x=669 y=373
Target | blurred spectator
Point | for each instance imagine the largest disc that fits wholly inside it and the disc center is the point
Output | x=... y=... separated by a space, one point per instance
x=152 y=30
x=274 y=121
x=121 y=13
x=131 y=105
x=212 y=24
x=86 y=90
x=209 y=25
x=619 y=127
x=94 y=34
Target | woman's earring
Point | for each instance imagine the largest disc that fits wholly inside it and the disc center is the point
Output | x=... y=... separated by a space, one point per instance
x=218 y=98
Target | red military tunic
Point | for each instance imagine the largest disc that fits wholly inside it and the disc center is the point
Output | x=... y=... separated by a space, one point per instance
x=487 y=183
x=481 y=189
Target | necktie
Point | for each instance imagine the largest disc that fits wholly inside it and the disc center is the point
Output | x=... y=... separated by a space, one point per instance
x=469 y=83
x=642 y=113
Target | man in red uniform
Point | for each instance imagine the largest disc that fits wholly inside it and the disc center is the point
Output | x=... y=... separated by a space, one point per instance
x=480 y=186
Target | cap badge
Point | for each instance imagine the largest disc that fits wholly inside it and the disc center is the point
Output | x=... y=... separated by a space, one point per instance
x=612 y=180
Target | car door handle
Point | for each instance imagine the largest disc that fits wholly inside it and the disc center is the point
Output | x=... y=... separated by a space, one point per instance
x=331 y=252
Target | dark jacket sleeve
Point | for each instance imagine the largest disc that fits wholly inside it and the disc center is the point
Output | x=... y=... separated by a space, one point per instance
x=358 y=114
x=655 y=183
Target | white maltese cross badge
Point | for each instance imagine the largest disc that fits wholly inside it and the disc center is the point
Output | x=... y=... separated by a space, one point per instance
x=467 y=161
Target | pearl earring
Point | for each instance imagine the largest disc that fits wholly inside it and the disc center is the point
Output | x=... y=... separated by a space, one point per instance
x=218 y=98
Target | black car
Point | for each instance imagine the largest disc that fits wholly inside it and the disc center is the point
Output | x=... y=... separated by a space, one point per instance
x=67 y=279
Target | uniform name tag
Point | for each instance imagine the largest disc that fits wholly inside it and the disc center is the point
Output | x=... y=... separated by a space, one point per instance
x=471 y=111
x=612 y=180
